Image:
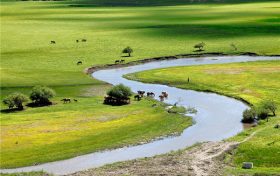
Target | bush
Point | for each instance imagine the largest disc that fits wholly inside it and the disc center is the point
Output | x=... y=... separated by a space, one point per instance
x=177 y=109
x=270 y=106
x=15 y=100
x=40 y=95
x=262 y=113
x=249 y=115
x=120 y=91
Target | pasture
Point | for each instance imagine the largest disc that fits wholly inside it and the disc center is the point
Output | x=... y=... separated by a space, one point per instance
x=251 y=81
x=28 y=58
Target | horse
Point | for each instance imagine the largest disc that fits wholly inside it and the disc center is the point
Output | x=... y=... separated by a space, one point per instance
x=150 y=94
x=79 y=63
x=66 y=100
x=76 y=100
x=117 y=61
x=122 y=61
x=84 y=40
x=77 y=41
x=52 y=42
x=161 y=97
x=137 y=97
x=165 y=94
x=141 y=93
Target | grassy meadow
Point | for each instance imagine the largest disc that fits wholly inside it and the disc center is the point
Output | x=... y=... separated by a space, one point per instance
x=67 y=130
x=252 y=81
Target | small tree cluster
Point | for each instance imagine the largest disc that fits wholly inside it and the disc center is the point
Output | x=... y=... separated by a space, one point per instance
x=39 y=95
x=261 y=112
x=120 y=91
x=15 y=100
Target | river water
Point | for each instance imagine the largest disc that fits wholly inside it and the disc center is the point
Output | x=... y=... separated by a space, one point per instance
x=218 y=117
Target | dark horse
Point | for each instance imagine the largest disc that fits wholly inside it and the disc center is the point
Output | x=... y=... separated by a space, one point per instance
x=79 y=63
x=117 y=61
x=137 y=97
x=66 y=100
x=52 y=42
x=84 y=40
x=165 y=94
x=122 y=61
x=150 y=94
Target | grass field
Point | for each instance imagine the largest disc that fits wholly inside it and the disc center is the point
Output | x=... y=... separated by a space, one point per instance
x=252 y=81
x=28 y=59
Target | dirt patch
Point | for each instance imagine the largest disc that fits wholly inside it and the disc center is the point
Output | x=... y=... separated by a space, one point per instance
x=230 y=71
x=201 y=160
x=97 y=90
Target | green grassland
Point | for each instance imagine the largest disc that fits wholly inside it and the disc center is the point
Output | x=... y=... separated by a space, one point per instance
x=28 y=59
x=252 y=81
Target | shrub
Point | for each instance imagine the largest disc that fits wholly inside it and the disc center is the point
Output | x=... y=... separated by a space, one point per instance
x=15 y=100
x=128 y=50
x=262 y=113
x=120 y=91
x=177 y=109
x=270 y=106
x=249 y=115
x=40 y=95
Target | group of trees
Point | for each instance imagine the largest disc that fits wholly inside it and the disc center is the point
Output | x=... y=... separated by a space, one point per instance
x=262 y=112
x=39 y=95
x=118 y=95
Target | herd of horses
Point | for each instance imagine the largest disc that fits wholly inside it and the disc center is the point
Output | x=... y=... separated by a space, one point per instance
x=77 y=41
x=68 y=100
x=140 y=94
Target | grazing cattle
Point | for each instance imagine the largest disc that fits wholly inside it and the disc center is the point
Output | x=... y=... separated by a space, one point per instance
x=161 y=97
x=141 y=93
x=52 y=42
x=79 y=63
x=76 y=100
x=122 y=61
x=150 y=94
x=165 y=94
x=77 y=41
x=137 y=97
x=117 y=61
x=84 y=40
x=66 y=100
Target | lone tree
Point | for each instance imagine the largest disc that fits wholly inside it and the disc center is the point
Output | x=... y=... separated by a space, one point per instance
x=15 y=100
x=40 y=95
x=199 y=46
x=128 y=51
x=269 y=105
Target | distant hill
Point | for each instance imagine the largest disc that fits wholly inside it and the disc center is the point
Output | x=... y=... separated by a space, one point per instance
x=155 y=2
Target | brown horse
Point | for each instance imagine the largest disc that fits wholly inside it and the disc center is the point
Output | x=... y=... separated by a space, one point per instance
x=161 y=97
x=165 y=94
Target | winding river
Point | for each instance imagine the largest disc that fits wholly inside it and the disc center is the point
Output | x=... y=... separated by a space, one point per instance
x=218 y=117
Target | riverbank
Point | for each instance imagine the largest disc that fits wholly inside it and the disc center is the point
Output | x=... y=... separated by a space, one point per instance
x=252 y=81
